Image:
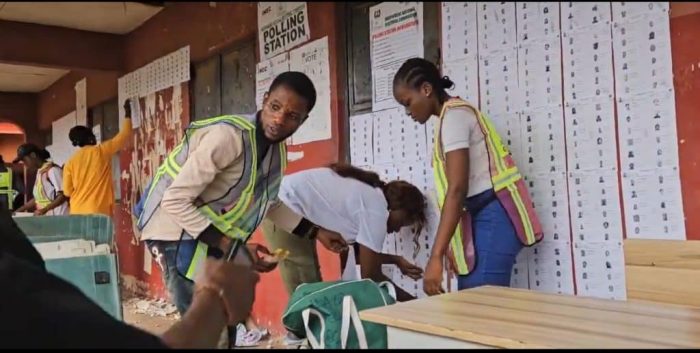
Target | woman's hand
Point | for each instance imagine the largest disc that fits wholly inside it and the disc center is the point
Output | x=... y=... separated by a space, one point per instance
x=332 y=241
x=432 y=282
x=409 y=269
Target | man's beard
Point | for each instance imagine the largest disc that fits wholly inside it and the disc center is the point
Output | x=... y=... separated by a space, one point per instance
x=261 y=132
x=279 y=139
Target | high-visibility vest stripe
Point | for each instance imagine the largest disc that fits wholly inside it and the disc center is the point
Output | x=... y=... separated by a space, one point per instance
x=247 y=194
x=236 y=212
x=40 y=196
x=200 y=254
x=441 y=185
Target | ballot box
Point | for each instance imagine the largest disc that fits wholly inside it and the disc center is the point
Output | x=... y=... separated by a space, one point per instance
x=79 y=250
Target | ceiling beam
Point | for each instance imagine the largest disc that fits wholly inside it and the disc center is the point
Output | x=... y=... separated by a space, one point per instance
x=51 y=46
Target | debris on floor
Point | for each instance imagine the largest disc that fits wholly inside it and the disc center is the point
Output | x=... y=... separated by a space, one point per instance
x=153 y=307
x=250 y=338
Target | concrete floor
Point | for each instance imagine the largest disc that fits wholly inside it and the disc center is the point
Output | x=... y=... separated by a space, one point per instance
x=157 y=325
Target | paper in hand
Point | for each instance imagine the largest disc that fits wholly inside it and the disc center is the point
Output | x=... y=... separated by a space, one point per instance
x=135 y=112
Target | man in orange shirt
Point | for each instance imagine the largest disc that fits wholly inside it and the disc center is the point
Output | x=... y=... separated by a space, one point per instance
x=87 y=176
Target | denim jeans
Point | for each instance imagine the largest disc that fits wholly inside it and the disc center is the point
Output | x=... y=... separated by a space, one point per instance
x=179 y=287
x=496 y=245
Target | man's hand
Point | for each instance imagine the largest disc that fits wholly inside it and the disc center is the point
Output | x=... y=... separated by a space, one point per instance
x=127 y=107
x=261 y=263
x=40 y=212
x=331 y=240
x=409 y=269
x=237 y=283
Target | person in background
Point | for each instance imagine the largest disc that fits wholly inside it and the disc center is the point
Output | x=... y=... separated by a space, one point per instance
x=87 y=176
x=48 y=188
x=475 y=172
x=6 y=186
x=41 y=310
x=362 y=208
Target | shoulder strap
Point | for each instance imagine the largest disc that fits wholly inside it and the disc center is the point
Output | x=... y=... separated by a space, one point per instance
x=46 y=172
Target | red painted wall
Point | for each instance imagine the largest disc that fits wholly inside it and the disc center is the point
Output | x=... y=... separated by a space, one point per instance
x=165 y=113
x=20 y=109
x=9 y=144
x=209 y=31
x=271 y=296
x=59 y=99
x=685 y=31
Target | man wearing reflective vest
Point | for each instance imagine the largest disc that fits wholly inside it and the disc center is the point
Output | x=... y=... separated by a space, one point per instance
x=7 y=194
x=219 y=183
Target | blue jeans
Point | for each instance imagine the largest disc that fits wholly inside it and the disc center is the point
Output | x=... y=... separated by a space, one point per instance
x=496 y=244
x=179 y=287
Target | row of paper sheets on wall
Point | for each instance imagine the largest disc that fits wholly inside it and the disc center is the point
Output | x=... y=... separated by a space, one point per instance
x=166 y=71
x=550 y=87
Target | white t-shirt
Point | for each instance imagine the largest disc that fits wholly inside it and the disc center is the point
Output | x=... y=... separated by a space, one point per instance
x=52 y=181
x=460 y=129
x=347 y=206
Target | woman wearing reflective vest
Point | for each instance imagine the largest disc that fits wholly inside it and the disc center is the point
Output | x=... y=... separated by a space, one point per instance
x=486 y=212
x=48 y=186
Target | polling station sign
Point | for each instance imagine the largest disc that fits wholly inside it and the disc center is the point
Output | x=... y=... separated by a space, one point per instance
x=281 y=26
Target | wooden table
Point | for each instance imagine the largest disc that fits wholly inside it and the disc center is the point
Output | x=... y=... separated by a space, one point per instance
x=500 y=317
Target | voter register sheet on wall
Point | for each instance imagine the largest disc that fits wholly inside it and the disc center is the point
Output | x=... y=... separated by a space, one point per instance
x=544 y=73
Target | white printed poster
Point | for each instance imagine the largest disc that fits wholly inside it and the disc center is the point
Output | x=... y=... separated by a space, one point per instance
x=396 y=34
x=496 y=26
x=642 y=49
x=537 y=20
x=135 y=112
x=265 y=73
x=459 y=30
x=62 y=148
x=459 y=49
x=653 y=204
x=97 y=130
x=81 y=101
x=312 y=59
x=281 y=26
x=166 y=71
x=600 y=270
x=550 y=266
x=361 y=153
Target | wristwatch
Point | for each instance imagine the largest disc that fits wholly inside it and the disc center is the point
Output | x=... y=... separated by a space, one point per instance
x=306 y=229
x=313 y=232
x=218 y=243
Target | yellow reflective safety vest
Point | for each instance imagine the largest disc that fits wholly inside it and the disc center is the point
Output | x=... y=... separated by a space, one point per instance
x=42 y=200
x=6 y=186
x=238 y=213
x=508 y=184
